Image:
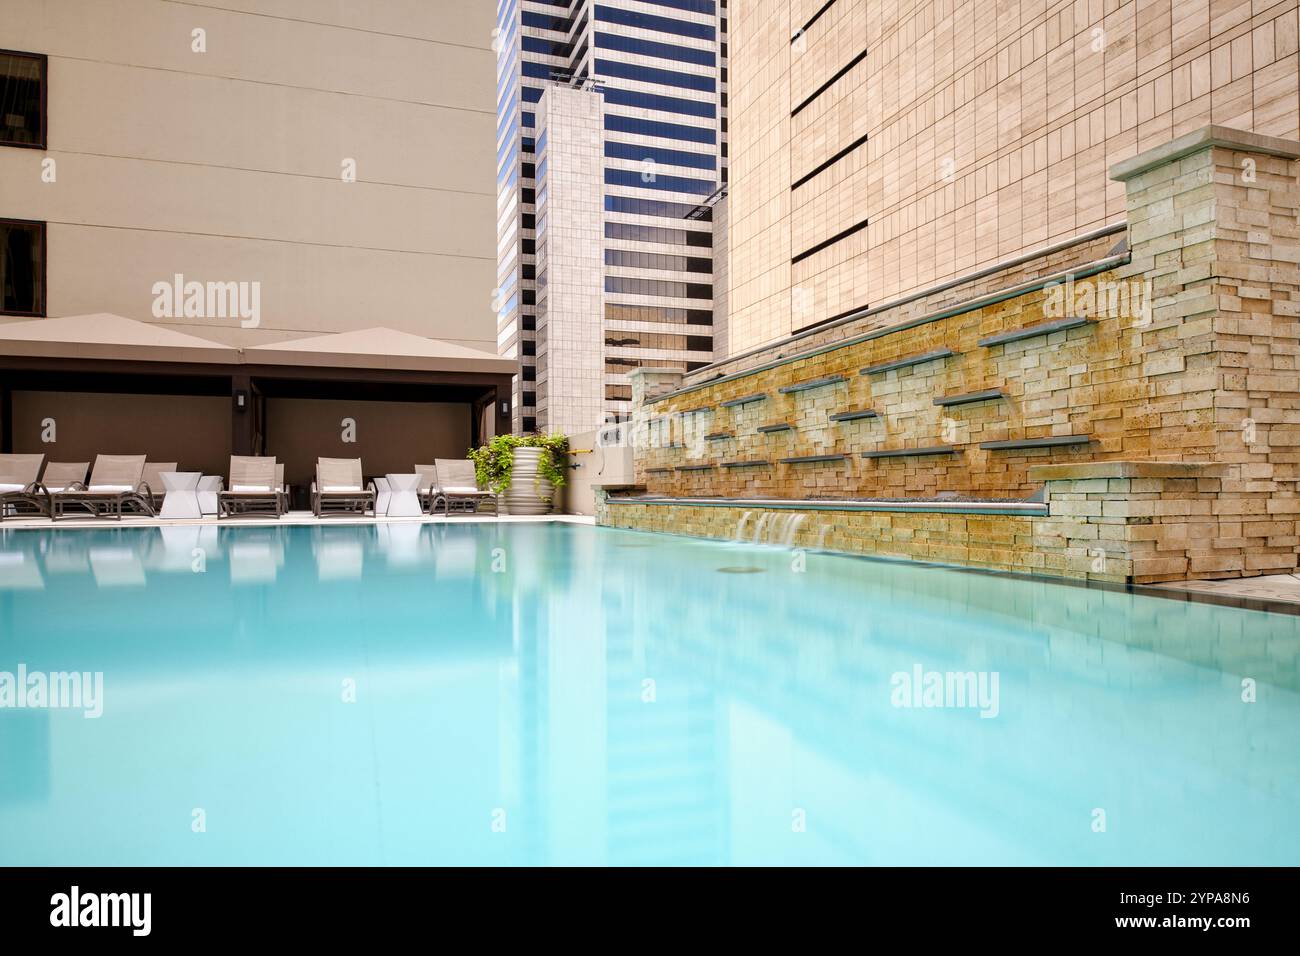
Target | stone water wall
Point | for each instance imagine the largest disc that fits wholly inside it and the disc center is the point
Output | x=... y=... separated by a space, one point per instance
x=1193 y=360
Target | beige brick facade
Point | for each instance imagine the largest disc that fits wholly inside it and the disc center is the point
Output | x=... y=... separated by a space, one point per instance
x=990 y=127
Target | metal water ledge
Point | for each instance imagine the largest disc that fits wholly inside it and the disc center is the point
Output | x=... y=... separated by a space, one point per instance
x=744 y=400
x=1031 y=509
x=1033 y=331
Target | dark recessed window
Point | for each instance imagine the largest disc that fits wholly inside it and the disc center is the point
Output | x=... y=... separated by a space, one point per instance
x=22 y=267
x=22 y=99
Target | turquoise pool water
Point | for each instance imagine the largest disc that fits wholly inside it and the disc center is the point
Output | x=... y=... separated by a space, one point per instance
x=488 y=693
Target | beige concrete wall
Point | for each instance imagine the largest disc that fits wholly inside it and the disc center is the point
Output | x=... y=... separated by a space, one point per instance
x=227 y=165
x=598 y=464
x=390 y=436
x=991 y=128
x=191 y=430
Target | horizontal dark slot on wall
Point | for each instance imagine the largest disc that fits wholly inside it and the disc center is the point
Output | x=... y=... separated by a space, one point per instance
x=658 y=471
x=694 y=467
x=757 y=463
x=821 y=322
x=695 y=411
x=808 y=386
x=827 y=85
x=965 y=306
x=815 y=17
x=718 y=436
x=967 y=398
x=911 y=452
x=809 y=459
x=779 y=427
x=907 y=362
x=854 y=416
x=830 y=162
x=829 y=242
x=1053 y=442
x=745 y=400
x=1031 y=331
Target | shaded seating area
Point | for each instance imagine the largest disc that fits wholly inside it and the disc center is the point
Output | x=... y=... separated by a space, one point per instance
x=118 y=385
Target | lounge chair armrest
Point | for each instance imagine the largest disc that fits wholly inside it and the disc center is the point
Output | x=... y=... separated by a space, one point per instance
x=143 y=489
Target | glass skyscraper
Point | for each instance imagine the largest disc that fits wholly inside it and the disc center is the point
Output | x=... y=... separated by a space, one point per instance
x=611 y=167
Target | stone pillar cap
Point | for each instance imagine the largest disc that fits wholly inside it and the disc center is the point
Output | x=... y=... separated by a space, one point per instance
x=1204 y=138
x=642 y=371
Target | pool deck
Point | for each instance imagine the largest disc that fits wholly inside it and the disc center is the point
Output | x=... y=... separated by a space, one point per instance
x=1267 y=587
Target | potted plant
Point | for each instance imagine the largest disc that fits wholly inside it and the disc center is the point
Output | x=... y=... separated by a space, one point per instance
x=524 y=471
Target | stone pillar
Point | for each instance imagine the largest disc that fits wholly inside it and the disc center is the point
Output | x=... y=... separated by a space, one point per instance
x=648 y=436
x=1214 y=225
x=1133 y=521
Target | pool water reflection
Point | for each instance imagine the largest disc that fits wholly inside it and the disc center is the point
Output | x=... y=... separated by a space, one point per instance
x=545 y=693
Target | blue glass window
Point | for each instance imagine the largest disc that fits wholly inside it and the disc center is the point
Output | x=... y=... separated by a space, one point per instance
x=677 y=184
x=645 y=21
x=693 y=6
x=687 y=134
x=672 y=157
x=634 y=206
x=648 y=74
x=652 y=101
x=665 y=51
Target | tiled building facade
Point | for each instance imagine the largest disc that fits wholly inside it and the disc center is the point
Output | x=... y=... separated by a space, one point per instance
x=881 y=147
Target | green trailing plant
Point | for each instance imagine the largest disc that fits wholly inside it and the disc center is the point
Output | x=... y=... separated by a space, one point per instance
x=494 y=462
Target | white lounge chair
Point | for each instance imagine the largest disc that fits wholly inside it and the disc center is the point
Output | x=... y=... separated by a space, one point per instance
x=340 y=489
x=116 y=483
x=19 y=485
x=456 y=483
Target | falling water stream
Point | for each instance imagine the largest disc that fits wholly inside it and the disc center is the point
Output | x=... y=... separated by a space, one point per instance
x=778 y=528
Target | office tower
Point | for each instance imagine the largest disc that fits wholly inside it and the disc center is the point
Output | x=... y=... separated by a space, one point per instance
x=614 y=109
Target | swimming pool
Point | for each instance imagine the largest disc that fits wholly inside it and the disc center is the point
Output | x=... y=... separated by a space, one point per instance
x=547 y=693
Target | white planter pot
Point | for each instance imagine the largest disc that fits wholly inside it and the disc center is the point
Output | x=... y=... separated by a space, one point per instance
x=528 y=494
